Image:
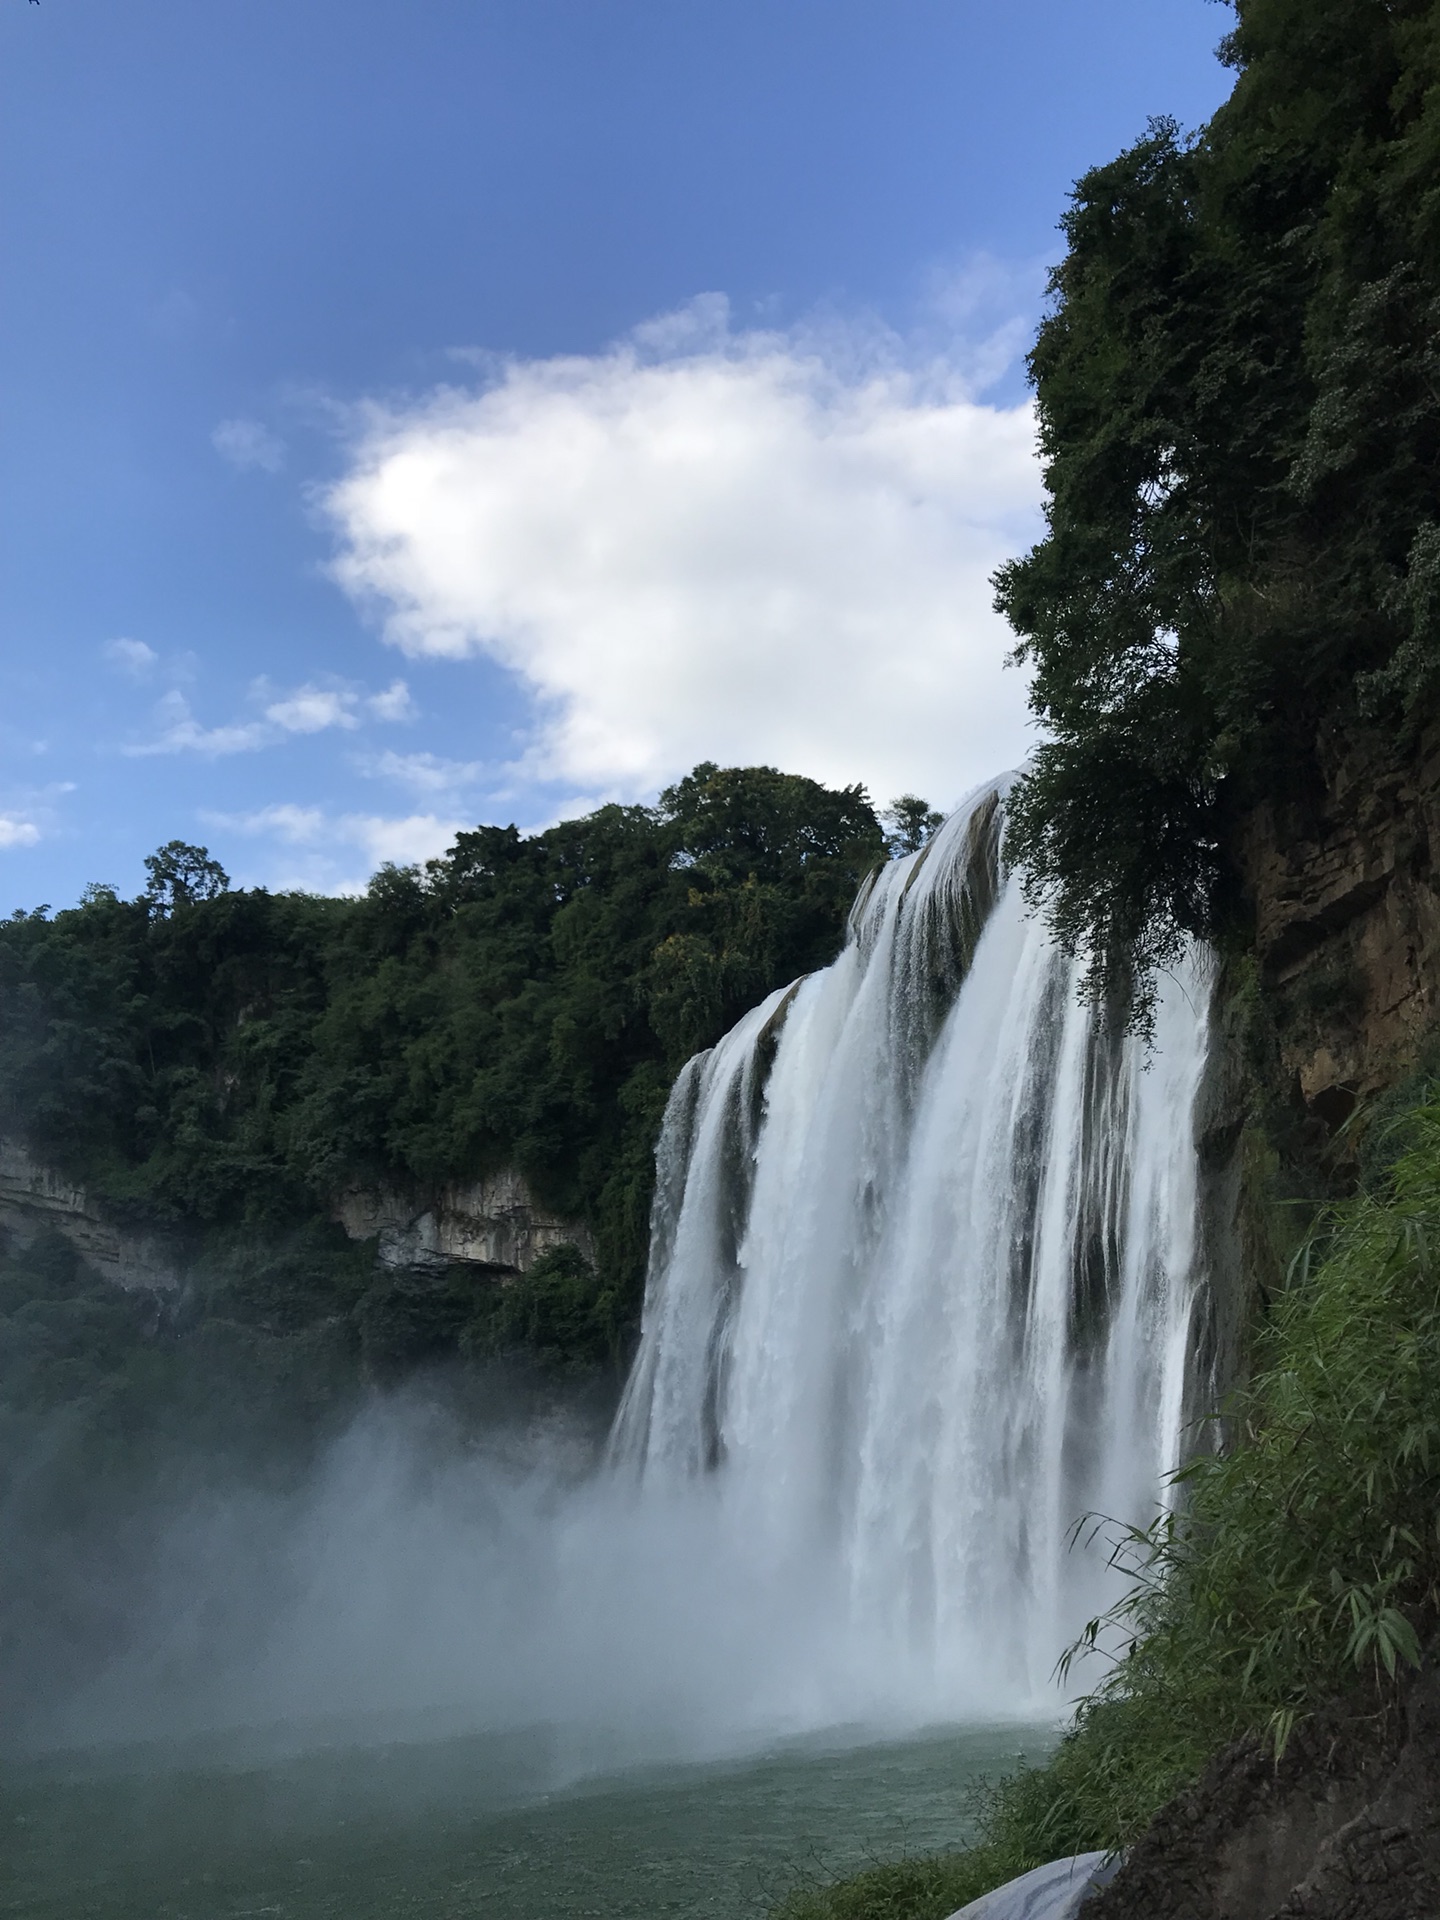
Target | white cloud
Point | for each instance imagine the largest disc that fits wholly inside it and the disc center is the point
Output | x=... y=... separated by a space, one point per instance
x=427 y=772
x=181 y=732
x=394 y=703
x=419 y=836
x=701 y=545
x=323 y=846
x=313 y=709
x=309 y=709
x=132 y=656
x=299 y=826
x=17 y=831
x=247 y=445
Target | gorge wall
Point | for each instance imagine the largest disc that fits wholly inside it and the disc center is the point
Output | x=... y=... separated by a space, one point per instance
x=1341 y=878
x=493 y=1224
x=34 y=1197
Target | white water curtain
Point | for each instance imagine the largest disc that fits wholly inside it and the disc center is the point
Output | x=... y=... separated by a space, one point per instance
x=924 y=1275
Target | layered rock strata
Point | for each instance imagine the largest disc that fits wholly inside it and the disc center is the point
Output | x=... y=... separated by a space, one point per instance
x=34 y=1197
x=494 y=1222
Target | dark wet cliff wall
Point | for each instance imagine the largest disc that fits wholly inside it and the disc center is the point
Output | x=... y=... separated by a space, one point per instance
x=1341 y=882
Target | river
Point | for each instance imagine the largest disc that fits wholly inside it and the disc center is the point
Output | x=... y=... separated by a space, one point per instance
x=472 y=1825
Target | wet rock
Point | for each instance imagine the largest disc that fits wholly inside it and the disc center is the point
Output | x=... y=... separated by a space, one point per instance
x=1344 y=886
x=1345 y=1827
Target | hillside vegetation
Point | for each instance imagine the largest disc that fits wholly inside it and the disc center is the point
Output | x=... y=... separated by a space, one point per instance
x=1239 y=400
x=226 y=1061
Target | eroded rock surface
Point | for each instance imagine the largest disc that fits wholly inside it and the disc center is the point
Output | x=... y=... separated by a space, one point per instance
x=1346 y=1827
x=34 y=1197
x=493 y=1222
x=1345 y=892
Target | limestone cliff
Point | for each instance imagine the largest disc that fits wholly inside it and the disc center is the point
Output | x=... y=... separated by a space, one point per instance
x=1345 y=894
x=493 y=1222
x=34 y=1197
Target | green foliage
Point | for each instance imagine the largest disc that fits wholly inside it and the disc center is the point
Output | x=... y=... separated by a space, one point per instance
x=180 y=874
x=911 y=822
x=1240 y=419
x=1303 y=1561
x=927 y=1887
x=558 y=1315
x=97 y=1383
x=229 y=1060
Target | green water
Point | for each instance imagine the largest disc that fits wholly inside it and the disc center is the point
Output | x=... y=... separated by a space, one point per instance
x=447 y=1829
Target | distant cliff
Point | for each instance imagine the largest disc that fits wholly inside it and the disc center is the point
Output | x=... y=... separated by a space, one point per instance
x=494 y=1225
x=464 y=1069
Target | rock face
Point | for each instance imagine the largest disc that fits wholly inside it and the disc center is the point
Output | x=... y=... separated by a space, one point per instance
x=1345 y=891
x=1345 y=1827
x=34 y=1197
x=493 y=1222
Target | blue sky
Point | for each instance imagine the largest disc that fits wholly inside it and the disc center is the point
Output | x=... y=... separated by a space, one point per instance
x=418 y=415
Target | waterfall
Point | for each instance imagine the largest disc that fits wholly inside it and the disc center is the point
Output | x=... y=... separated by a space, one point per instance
x=923 y=1275
x=923 y=1291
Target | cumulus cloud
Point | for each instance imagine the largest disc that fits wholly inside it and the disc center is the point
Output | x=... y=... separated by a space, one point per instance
x=426 y=772
x=394 y=703
x=323 y=846
x=181 y=732
x=17 y=831
x=132 y=657
x=708 y=545
x=248 y=445
x=313 y=708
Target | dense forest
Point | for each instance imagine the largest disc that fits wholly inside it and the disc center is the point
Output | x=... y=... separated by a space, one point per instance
x=1239 y=399
x=222 y=1062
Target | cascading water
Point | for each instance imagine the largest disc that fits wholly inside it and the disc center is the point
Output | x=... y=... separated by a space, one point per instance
x=923 y=1276
x=922 y=1288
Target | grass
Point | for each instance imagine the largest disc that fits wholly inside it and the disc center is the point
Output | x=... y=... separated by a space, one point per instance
x=926 y=1887
x=1304 y=1555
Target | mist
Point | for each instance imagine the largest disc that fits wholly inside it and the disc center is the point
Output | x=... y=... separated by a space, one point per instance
x=420 y=1579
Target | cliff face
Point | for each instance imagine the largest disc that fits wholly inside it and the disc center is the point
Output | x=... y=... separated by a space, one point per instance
x=34 y=1197
x=493 y=1222
x=1345 y=892
x=1342 y=888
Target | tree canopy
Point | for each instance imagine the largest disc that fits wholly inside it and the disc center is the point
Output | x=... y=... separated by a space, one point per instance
x=229 y=1057
x=1238 y=387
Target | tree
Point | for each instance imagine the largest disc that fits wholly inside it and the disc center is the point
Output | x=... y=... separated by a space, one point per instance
x=1238 y=390
x=912 y=821
x=180 y=875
